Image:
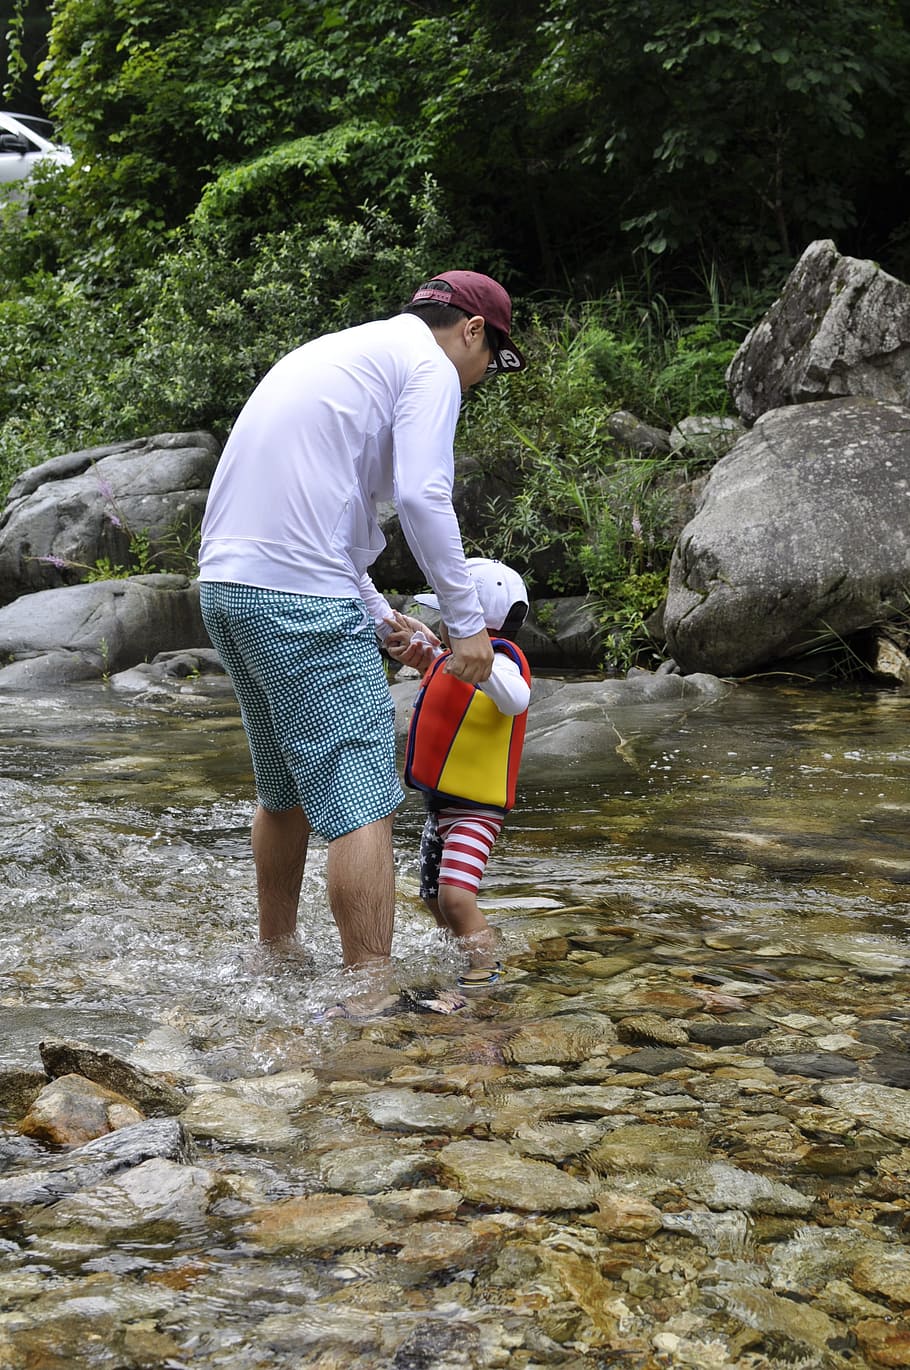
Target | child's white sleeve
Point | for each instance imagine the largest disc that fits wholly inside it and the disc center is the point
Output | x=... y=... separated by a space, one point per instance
x=507 y=687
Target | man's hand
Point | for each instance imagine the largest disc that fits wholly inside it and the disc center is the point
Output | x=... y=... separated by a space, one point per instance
x=472 y=658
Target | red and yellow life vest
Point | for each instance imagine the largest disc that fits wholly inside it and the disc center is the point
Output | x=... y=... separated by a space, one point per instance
x=460 y=747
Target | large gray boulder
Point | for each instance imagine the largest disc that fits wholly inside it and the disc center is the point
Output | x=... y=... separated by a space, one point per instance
x=65 y=515
x=802 y=536
x=86 y=632
x=841 y=326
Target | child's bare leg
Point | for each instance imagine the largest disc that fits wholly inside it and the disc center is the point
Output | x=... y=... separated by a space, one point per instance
x=458 y=911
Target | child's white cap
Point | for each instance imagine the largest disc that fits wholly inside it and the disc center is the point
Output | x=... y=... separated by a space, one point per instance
x=502 y=593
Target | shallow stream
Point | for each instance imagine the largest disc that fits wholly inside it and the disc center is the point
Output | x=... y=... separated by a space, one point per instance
x=581 y=1168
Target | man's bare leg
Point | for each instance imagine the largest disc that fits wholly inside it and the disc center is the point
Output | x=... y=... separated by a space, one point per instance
x=279 y=851
x=361 y=888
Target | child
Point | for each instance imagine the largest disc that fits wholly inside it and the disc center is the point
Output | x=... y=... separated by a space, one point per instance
x=463 y=750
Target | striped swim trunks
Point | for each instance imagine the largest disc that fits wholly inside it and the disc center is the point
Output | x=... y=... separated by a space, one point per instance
x=314 y=701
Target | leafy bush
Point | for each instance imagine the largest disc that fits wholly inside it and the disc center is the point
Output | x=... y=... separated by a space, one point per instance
x=579 y=512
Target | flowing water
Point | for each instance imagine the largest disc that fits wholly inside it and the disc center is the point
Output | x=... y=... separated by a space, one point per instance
x=750 y=853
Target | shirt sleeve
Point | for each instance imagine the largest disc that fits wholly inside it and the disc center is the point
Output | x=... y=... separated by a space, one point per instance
x=423 y=434
x=506 y=686
x=378 y=606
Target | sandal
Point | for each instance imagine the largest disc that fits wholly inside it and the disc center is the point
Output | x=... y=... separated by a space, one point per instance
x=430 y=999
x=480 y=977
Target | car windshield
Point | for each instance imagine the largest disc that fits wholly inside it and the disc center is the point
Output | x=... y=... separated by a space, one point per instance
x=43 y=127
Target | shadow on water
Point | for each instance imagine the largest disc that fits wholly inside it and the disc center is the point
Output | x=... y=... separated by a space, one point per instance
x=749 y=857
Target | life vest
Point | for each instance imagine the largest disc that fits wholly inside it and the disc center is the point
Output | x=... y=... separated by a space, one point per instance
x=460 y=747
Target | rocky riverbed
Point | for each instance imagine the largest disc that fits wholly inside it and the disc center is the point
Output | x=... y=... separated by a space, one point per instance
x=677 y=1134
x=640 y=1150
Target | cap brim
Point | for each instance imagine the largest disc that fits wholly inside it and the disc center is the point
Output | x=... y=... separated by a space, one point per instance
x=429 y=600
x=508 y=358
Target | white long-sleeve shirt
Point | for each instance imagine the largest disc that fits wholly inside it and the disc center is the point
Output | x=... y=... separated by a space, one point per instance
x=337 y=426
x=505 y=685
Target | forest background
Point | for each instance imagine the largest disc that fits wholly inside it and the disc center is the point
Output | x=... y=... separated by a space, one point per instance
x=251 y=173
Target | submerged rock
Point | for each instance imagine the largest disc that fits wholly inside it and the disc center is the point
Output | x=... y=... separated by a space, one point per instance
x=320 y=1224
x=796 y=1323
x=493 y=1173
x=157 y=1191
x=409 y=1110
x=882 y=1107
x=90 y=1164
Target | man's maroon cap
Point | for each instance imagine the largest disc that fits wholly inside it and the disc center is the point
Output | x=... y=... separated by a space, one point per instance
x=477 y=294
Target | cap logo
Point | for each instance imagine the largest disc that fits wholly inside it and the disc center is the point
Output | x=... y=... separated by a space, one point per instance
x=508 y=360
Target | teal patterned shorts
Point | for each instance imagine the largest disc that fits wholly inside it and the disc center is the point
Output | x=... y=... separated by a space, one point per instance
x=314 y=700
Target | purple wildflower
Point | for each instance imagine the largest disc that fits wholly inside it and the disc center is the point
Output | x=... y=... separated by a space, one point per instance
x=105 y=489
x=636 y=526
x=59 y=562
x=115 y=520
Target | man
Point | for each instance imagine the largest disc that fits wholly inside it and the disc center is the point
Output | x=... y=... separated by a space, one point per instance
x=290 y=529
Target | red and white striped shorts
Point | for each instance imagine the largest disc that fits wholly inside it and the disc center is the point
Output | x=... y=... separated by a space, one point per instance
x=455 y=847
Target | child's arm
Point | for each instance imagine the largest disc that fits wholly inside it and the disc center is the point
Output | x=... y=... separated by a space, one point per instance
x=507 y=687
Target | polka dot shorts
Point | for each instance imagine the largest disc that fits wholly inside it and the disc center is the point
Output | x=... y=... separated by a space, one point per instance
x=314 y=700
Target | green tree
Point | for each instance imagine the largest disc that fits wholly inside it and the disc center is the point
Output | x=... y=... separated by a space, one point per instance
x=24 y=28
x=734 y=128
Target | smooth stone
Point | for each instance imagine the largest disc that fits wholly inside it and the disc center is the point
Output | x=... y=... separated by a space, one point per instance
x=513 y=1107
x=721 y=1034
x=720 y=1185
x=888 y=1036
x=624 y=1216
x=153 y=1094
x=771 y=1313
x=409 y=1110
x=883 y=1108
x=813 y=1256
x=884 y=1272
x=88 y=1165
x=287 y=1089
x=72 y=1110
x=813 y=1065
x=654 y=1060
x=319 y=1224
x=561 y=1039
x=430 y=1247
x=884 y=1340
x=641 y=1146
x=652 y=1029
x=556 y=1141
x=372 y=1168
x=494 y=1173
x=406 y=1205
x=18 y=1089
x=223 y=1115
x=157 y=1191
x=889 y=1068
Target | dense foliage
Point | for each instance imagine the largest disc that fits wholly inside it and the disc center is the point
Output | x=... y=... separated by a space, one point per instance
x=252 y=172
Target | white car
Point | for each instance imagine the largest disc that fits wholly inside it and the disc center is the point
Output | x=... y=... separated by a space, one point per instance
x=26 y=141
